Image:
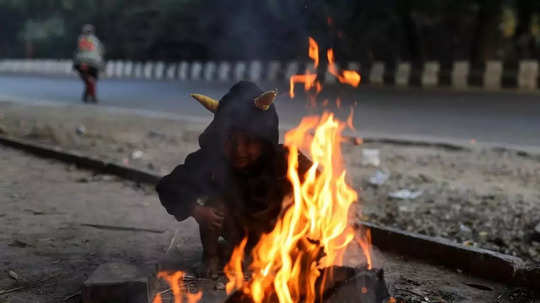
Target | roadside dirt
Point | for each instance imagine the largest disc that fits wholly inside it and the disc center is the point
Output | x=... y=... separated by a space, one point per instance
x=44 y=204
x=481 y=197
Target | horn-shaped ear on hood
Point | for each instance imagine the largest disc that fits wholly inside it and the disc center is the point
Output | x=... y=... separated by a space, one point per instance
x=264 y=100
x=210 y=104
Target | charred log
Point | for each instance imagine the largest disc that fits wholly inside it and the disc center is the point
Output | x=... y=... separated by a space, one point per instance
x=340 y=285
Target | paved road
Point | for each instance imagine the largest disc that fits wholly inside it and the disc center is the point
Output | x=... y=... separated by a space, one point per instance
x=439 y=115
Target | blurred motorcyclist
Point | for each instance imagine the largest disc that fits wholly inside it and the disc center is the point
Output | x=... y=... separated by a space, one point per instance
x=88 y=61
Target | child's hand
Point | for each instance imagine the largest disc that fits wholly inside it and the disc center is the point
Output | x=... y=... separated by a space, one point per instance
x=208 y=217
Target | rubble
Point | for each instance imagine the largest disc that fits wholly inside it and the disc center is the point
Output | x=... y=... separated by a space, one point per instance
x=405 y=194
x=379 y=178
x=370 y=157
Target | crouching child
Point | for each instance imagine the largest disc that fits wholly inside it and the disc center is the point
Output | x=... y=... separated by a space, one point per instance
x=235 y=183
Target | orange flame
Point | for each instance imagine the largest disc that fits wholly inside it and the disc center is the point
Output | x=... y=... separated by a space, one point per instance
x=350 y=123
x=313 y=231
x=313 y=51
x=365 y=243
x=349 y=77
x=174 y=279
x=309 y=79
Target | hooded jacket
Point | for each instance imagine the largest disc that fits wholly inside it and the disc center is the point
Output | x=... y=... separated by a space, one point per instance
x=89 y=51
x=251 y=195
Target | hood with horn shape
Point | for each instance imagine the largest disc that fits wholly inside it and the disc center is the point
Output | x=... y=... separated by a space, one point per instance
x=244 y=108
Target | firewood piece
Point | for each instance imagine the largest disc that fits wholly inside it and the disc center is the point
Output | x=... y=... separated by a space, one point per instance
x=116 y=282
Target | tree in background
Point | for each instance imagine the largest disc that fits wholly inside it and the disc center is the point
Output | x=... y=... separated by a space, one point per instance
x=172 y=30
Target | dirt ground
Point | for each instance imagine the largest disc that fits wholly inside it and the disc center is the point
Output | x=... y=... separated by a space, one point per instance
x=480 y=196
x=46 y=249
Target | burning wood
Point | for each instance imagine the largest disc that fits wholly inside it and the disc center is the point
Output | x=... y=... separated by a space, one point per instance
x=310 y=80
x=301 y=259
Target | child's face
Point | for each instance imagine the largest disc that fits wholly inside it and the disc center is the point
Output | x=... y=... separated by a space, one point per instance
x=242 y=150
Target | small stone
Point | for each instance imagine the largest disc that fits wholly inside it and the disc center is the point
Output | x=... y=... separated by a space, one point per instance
x=80 y=130
x=220 y=285
x=537 y=229
x=464 y=228
x=13 y=275
x=137 y=154
x=468 y=243
x=483 y=234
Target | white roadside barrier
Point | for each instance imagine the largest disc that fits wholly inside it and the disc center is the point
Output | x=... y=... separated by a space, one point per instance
x=493 y=75
x=460 y=74
x=223 y=71
x=430 y=74
x=196 y=70
x=239 y=71
x=376 y=73
x=209 y=71
x=403 y=74
x=183 y=69
x=526 y=76
x=273 y=70
x=255 y=71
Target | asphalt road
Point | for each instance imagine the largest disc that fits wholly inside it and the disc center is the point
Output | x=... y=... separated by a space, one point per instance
x=435 y=115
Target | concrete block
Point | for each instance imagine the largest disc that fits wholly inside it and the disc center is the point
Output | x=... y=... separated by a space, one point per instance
x=128 y=69
x=109 y=69
x=255 y=71
x=430 y=74
x=273 y=70
x=209 y=71
x=291 y=69
x=528 y=75
x=147 y=72
x=183 y=69
x=223 y=71
x=376 y=73
x=138 y=70
x=119 y=68
x=240 y=71
x=493 y=75
x=171 y=71
x=460 y=74
x=116 y=283
x=329 y=78
x=159 y=70
x=196 y=70
x=403 y=74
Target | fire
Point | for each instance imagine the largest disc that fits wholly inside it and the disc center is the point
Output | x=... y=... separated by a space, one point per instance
x=174 y=279
x=312 y=232
x=313 y=51
x=346 y=76
x=310 y=80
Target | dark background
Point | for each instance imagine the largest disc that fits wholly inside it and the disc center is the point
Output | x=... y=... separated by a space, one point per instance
x=171 y=30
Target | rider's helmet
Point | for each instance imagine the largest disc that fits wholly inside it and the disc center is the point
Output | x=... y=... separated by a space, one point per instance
x=88 y=29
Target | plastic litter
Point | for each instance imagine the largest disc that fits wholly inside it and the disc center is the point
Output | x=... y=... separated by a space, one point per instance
x=379 y=178
x=405 y=194
x=370 y=157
